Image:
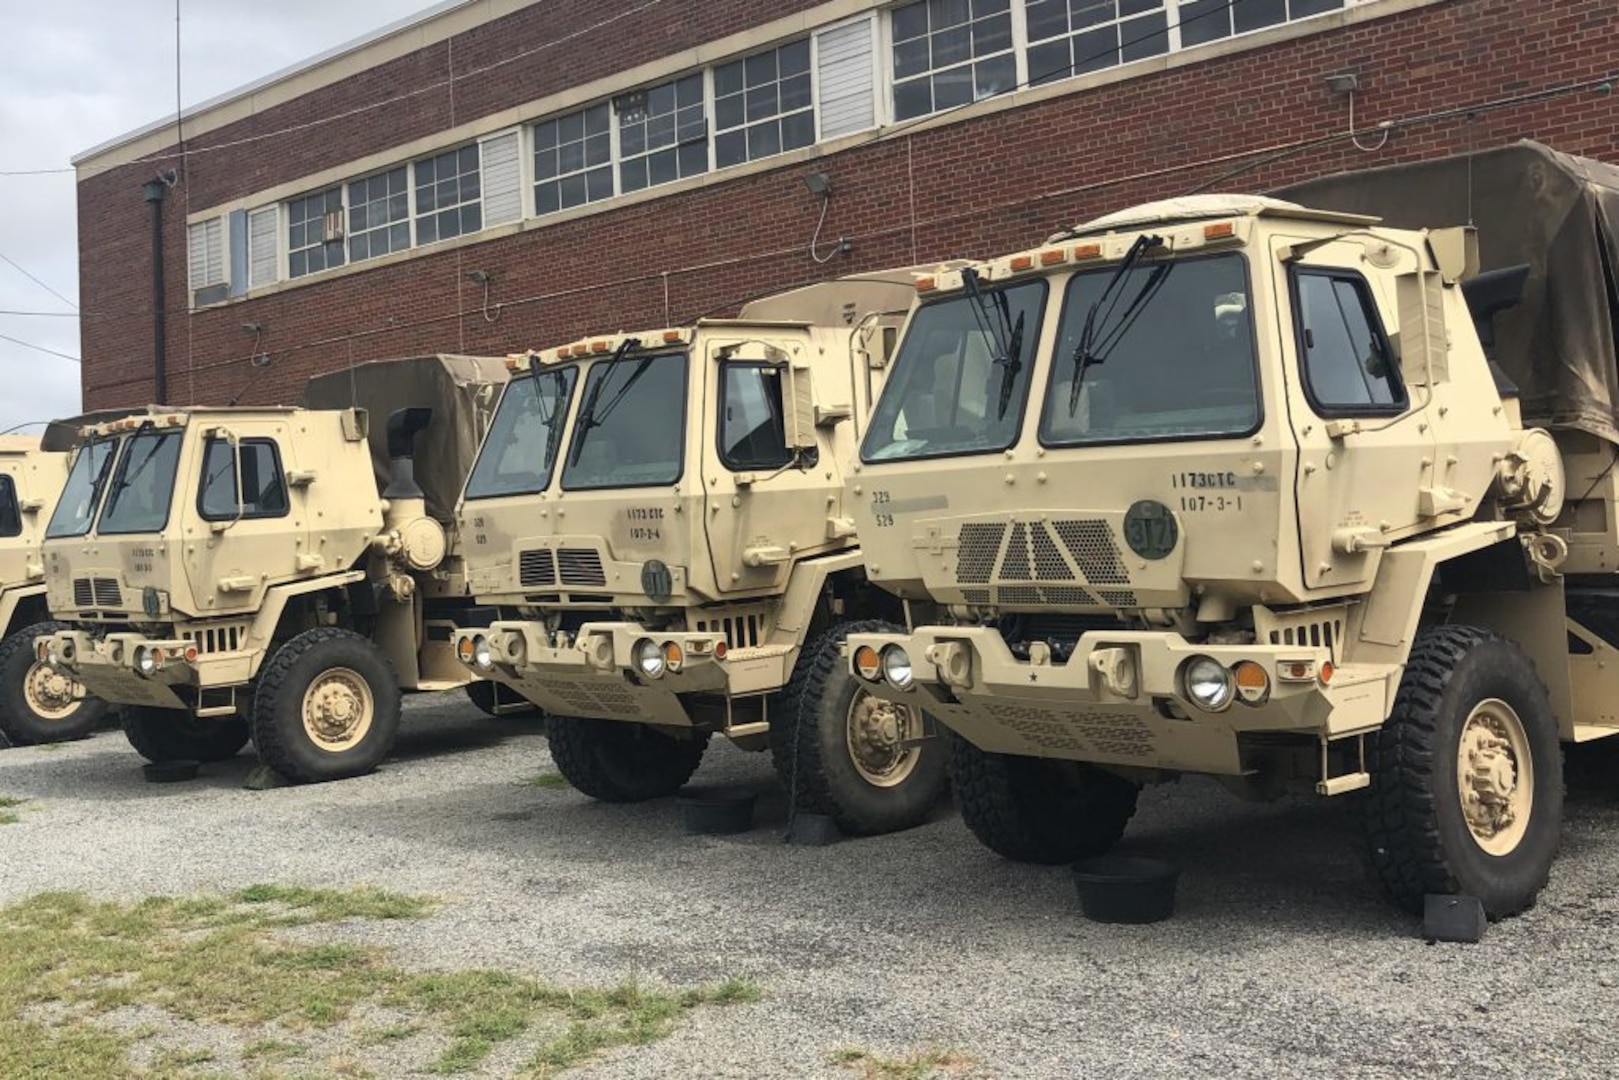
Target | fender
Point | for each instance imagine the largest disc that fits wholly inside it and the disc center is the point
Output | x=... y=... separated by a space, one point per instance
x=12 y=599
x=804 y=585
x=262 y=631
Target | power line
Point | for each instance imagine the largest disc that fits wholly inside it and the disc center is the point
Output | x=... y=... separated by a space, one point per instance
x=24 y=272
x=40 y=348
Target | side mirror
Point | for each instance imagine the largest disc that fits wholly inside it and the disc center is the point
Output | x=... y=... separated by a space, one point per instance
x=798 y=406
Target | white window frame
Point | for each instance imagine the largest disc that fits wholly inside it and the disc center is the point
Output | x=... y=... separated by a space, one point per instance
x=285 y=221
x=349 y=232
x=813 y=109
x=706 y=77
x=533 y=206
x=892 y=81
x=415 y=212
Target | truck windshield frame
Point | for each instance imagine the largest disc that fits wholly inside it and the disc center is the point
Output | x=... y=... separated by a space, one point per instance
x=1188 y=348
x=81 y=495
x=637 y=435
x=519 y=453
x=143 y=485
x=946 y=340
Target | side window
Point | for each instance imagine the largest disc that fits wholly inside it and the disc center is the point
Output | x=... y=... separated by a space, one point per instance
x=264 y=485
x=1348 y=363
x=753 y=431
x=10 y=513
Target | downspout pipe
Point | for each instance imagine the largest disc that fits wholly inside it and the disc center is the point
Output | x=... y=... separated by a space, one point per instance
x=155 y=190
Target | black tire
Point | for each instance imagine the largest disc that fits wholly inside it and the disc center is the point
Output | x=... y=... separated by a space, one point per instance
x=1417 y=836
x=618 y=761
x=1039 y=810
x=284 y=741
x=23 y=723
x=482 y=693
x=809 y=746
x=163 y=735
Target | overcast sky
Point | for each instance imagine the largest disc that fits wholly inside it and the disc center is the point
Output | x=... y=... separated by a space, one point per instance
x=80 y=72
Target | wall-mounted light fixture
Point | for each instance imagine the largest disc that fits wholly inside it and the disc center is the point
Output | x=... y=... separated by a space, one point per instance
x=1347 y=83
x=819 y=183
x=485 y=278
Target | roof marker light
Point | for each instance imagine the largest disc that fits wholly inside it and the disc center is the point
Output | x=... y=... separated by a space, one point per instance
x=1088 y=251
x=927 y=284
x=1022 y=262
x=1053 y=256
x=1220 y=230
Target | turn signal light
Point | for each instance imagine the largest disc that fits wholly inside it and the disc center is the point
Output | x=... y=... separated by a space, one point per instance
x=463 y=649
x=926 y=284
x=1326 y=672
x=1253 y=683
x=671 y=336
x=191 y=654
x=1220 y=230
x=673 y=655
x=867 y=664
x=720 y=649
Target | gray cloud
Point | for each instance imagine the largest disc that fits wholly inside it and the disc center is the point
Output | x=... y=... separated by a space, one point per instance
x=80 y=72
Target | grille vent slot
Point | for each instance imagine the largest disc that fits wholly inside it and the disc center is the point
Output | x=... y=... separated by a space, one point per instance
x=97 y=592
x=581 y=567
x=537 y=568
x=215 y=639
x=978 y=547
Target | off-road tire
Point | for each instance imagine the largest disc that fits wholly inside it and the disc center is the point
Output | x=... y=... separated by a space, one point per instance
x=1039 y=810
x=18 y=720
x=810 y=751
x=161 y=735
x=279 y=733
x=1417 y=839
x=618 y=761
x=481 y=692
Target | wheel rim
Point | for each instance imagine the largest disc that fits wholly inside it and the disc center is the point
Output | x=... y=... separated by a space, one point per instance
x=877 y=730
x=50 y=694
x=1495 y=776
x=338 y=709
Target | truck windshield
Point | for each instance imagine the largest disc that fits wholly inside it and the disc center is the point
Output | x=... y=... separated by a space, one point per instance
x=947 y=390
x=1174 y=360
x=77 y=506
x=520 y=450
x=143 y=486
x=636 y=424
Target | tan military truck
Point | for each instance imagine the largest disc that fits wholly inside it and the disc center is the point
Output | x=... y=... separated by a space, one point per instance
x=37 y=703
x=1273 y=493
x=658 y=522
x=245 y=572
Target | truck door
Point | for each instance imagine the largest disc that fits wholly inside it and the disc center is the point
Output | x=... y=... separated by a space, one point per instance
x=1366 y=449
x=243 y=530
x=766 y=501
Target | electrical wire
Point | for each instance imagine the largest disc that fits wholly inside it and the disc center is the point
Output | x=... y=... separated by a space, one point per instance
x=40 y=348
x=24 y=272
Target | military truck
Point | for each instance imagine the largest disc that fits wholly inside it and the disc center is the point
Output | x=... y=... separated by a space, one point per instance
x=37 y=704
x=657 y=523
x=236 y=573
x=1274 y=493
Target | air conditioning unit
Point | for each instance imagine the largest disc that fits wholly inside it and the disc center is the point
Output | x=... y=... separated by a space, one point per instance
x=333 y=226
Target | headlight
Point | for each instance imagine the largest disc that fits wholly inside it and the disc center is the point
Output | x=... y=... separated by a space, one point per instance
x=867 y=664
x=648 y=658
x=897 y=667
x=1208 y=684
x=145 y=661
x=482 y=655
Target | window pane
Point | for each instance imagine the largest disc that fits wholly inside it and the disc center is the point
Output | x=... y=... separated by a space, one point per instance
x=1346 y=364
x=10 y=512
x=752 y=432
x=1303 y=9
x=910 y=22
x=1049 y=61
x=1048 y=18
x=728 y=78
x=143 y=487
x=730 y=148
x=914 y=98
x=1144 y=37
x=1256 y=14
x=637 y=442
x=1203 y=21
x=797 y=130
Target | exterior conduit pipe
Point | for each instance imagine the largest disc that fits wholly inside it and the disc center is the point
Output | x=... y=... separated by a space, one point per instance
x=155 y=190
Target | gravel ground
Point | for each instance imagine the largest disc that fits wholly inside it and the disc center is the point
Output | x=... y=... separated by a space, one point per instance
x=1281 y=959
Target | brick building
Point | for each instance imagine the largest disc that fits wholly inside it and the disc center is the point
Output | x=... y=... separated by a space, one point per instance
x=495 y=175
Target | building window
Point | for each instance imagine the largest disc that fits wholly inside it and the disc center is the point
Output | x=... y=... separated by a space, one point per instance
x=315 y=232
x=763 y=105
x=448 y=199
x=573 y=160
x=951 y=52
x=379 y=215
x=1210 y=20
x=1071 y=37
x=662 y=134
x=206 y=248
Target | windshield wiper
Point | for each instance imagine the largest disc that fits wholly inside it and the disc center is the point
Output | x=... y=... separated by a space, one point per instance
x=1087 y=352
x=130 y=475
x=588 y=418
x=1005 y=343
x=551 y=421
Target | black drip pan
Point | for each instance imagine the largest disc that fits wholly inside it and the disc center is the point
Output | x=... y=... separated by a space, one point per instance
x=717 y=811
x=1123 y=889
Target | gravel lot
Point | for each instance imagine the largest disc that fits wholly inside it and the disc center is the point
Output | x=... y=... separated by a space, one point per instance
x=1281 y=959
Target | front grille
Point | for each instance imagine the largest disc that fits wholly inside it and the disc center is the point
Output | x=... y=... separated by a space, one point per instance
x=581 y=567
x=979 y=545
x=1091 y=544
x=537 y=568
x=216 y=639
x=97 y=592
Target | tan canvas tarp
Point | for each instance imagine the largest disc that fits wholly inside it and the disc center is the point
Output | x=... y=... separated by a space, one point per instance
x=462 y=391
x=1557 y=213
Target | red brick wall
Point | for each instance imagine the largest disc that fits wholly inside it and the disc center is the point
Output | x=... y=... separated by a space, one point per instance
x=980 y=187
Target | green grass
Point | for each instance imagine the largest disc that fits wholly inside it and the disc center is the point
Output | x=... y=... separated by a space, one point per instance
x=926 y=1064
x=67 y=961
x=7 y=804
x=550 y=780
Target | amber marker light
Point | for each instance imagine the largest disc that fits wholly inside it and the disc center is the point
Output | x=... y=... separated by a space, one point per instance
x=867 y=664
x=1326 y=672
x=926 y=284
x=673 y=655
x=191 y=654
x=1022 y=262
x=1053 y=256
x=1220 y=230
x=1088 y=251
x=670 y=337
x=1253 y=683
x=463 y=649
x=720 y=649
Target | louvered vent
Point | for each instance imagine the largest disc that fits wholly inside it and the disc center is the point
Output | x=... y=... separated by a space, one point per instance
x=581 y=567
x=537 y=568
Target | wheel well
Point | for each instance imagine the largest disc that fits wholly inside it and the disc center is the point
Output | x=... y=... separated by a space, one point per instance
x=323 y=607
x=29 y=610
x=847 y=594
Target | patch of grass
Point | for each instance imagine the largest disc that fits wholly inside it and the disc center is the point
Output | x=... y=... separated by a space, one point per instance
x=552 y=781
x=67 y=961
x=8 y=801
x=7 y=804
x=926 y=1064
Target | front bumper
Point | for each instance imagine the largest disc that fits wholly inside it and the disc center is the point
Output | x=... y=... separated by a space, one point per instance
x=594 y=673
x=108 y=667
x=1119 y=697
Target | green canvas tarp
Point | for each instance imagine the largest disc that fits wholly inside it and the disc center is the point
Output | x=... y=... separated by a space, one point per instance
x=1531 y=204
